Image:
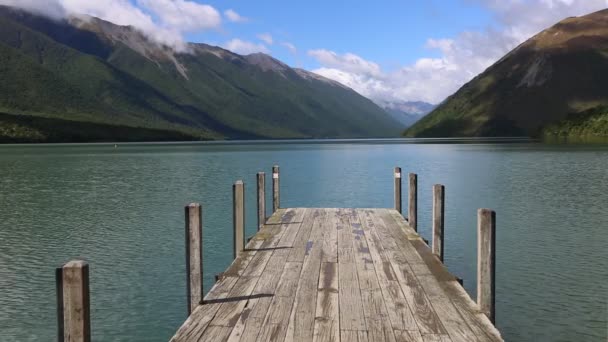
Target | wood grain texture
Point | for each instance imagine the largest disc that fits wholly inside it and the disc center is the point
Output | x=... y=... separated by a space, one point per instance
x=238 y=217
x=337 y=275
x=486 y=260
x=275 y=189
x=412 y=213
x=397 y=188
x=76 y=306
x=326 y=318
x=194 y=255
x=438 y=220
x=261 y=187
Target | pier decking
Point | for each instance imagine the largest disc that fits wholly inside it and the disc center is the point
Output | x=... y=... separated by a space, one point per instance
x=321 y=274
x=337 y=275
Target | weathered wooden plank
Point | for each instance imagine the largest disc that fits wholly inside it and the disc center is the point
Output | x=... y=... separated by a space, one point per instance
x=76 y=306
x=436 y=338
x=261 y=178
x=451 y=319
x=238 y=217
x=216 y=333
x=194 y=255
x=470 y=312
x=233 y=305
x=276 y=321
x=486 y=258
x=326 y=326
x=397 y=188
x=412 y=217
x=376 y=317
x=248 y=326
x=353 y=335
x=408 y=336
x=398 y=308
x=423 y=312
x=301 y=243
x=290 y=234
x=275 y=189
x=301 y=323
x=288 y=284
x=195 y=325
x=438 y=220
x=329 y=240
x=351 y=306
x=286 y=290
x=276 y=217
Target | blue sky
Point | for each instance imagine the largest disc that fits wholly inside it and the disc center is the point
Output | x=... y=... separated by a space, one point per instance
x=390 y=51
x=391 y=34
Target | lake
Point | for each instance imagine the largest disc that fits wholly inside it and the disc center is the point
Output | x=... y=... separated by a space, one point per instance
x=121 y=209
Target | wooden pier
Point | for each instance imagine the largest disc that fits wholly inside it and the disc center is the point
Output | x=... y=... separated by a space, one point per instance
x=335 y=274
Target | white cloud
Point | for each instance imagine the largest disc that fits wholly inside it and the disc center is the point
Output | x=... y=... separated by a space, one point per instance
x=164 y=21
x=231 y=15
x=185 y=15
x=52 y=9
x=244 y=47
x=266 y=38
x=461 y=57
x=289 y=46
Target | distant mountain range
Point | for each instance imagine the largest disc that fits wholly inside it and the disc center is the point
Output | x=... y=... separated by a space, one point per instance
x=85 y=79
x=407 y=112
x=556 y=83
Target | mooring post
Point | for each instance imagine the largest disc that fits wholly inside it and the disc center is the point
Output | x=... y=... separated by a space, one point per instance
x=413 y=202
x=486 y=261
x=238 y=207
x=438 y=219
x=194 y=255
x=73 y=306
x=398 y=189
x=275 y=188
x=261 y=199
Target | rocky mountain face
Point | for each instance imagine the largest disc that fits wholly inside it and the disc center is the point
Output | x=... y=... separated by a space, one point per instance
x=79 y=79
x=559 y=74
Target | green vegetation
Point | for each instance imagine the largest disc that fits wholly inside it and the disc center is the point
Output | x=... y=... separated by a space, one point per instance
x=588 y=124
x=33 y=129
x=111 y=76
x=560 y=71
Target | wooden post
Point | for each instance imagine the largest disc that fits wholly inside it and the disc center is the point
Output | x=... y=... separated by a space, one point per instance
x=194 y=255
x=413 y=202
x=275 y=188
x=261 y=199
x=59 y=291
x=438 y=219
x=73 y=307
x=398 y=189
x=238 y=207
x=486 y=261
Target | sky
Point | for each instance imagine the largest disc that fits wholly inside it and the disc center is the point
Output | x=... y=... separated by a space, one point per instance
x=389 y=51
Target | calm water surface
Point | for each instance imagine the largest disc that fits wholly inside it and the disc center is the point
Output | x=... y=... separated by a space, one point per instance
x=121 y=209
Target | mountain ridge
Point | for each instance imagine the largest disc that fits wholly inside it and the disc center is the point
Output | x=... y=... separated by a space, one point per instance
x=549 y=77
x=95 y=71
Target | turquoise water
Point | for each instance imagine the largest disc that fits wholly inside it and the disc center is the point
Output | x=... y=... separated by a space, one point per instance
x=121 y=209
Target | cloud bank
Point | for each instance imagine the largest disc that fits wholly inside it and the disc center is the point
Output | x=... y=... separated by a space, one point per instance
x=164 y=21
x=461 y=57
x=244 y=47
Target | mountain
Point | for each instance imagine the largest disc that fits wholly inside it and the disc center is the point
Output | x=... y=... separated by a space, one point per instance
x=556 y=75
x=407 y=112
x=85 y=79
